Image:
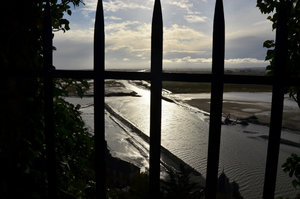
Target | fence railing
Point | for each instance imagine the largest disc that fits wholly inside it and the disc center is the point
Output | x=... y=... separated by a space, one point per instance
x=156 y=76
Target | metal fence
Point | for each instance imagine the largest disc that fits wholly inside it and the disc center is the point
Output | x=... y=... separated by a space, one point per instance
x=156 y=76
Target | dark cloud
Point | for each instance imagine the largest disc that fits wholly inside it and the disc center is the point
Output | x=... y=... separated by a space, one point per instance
x=245 y=47
x=72 y=54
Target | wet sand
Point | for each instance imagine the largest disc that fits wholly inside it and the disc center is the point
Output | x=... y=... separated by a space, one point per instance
x=242 y=109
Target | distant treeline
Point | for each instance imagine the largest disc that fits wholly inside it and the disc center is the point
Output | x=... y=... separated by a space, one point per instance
x=196 y=87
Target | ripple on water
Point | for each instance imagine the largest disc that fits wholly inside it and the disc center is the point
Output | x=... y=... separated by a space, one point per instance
x=185 y=135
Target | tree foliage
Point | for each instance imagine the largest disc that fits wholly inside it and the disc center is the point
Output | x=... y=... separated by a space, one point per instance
x=292 y=167
x=271 y=7
x=180 y=185
x=22 y=139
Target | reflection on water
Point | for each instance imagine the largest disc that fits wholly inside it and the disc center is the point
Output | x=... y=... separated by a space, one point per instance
x=185 y=133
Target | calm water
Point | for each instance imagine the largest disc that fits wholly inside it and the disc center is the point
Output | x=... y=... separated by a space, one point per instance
x=185 y=133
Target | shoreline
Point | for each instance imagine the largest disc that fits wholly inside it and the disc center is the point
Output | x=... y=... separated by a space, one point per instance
x=168 y=159
x=261 y=142
x=249 y=111
x=243 y=110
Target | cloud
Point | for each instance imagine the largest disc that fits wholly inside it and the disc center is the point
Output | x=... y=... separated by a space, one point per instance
x=113 y=18
x=189 y=62
x=132 y=35
x=194 y=18
x=74 y=49
x=187 y=34
x=73 y=54
x=185 y=39
x=244 y=61
x=181 y=4
x=117 y=5
x=187 y=11
x=118 y=26
x=245 y=46
x=136 y=37
x=188 y=59
x=90 y=6
x=186 y=5
x=130 y=42
x=75 y=35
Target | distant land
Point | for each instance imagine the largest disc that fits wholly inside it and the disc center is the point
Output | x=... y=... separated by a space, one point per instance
x=256 y=71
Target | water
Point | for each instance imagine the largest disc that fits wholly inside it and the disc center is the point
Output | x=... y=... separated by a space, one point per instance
x=185 y=134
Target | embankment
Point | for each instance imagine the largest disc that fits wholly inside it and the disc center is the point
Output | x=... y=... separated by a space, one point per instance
x=167 y=158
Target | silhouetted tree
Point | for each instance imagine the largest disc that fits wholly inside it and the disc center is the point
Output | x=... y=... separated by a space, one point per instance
x=293 y=13
x=293 y=67
x=179 y=184
x=22 y=139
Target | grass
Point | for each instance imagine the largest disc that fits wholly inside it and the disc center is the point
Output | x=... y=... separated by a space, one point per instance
x=196 y=87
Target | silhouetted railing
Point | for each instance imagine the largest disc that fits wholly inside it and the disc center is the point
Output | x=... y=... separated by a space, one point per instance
x=48 y=83
x=217 y=83
x=281 y=51
x=217 y=79
x=155 y=100
x=99 y=111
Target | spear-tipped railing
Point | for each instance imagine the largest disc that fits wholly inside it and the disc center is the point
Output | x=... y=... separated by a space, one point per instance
x=99 y=117
x=216 y=101
x=281 y=51
x=48 y=96
x=155 y=103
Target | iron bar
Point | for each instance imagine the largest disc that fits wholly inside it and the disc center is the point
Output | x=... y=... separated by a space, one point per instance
x=216 y=101
x=48 y=97
x=99 y=114
x=155 y=103
x=281 y=50
x=185 y=77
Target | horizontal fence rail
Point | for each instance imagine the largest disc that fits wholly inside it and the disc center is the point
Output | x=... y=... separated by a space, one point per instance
x=165 y=76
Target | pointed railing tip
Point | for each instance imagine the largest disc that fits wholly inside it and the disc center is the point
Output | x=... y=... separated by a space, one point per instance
x=157 y=3
x=99 y=6
x=219 y=2
x=156 y=39
x=99 y=38
x=157 y=9
x=219 y=8
x=99 y=19
x=157 y=12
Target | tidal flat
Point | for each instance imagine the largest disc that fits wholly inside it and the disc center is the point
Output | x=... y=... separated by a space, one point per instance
x=198 y=95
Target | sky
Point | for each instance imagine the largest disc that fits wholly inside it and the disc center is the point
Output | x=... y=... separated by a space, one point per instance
x=187 y=35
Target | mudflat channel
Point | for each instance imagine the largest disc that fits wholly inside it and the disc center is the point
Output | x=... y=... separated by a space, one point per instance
x=247 y=109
